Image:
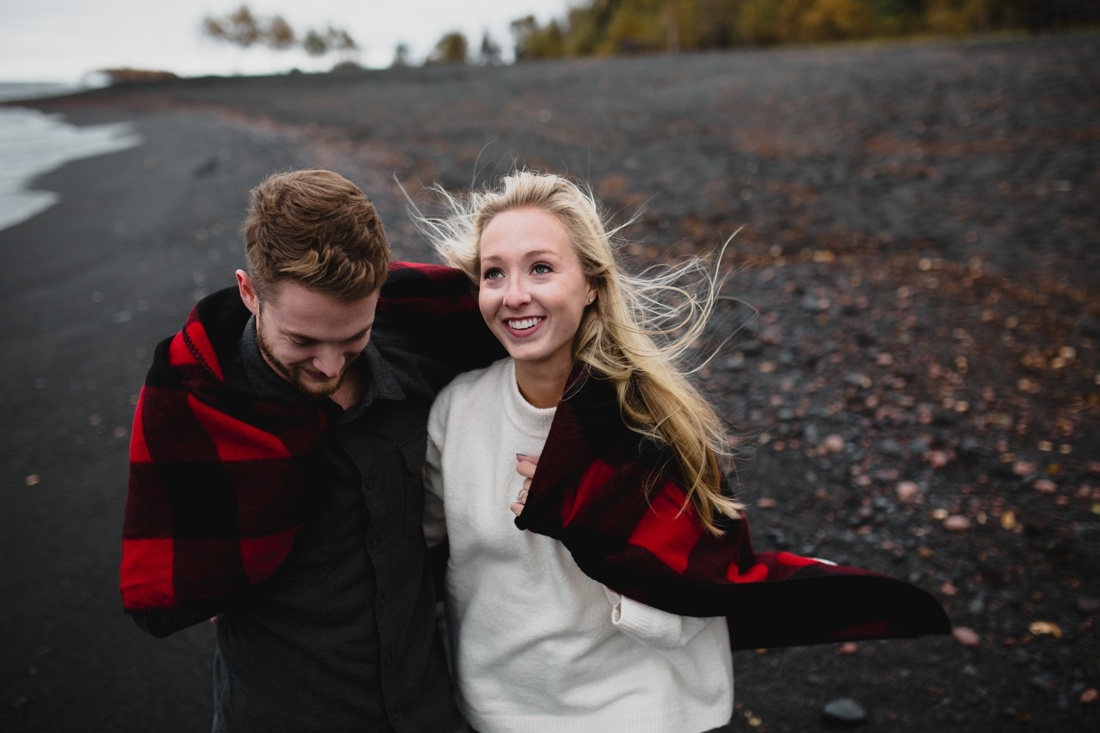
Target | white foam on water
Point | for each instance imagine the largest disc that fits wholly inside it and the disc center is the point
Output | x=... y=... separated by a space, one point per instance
x=33 y=143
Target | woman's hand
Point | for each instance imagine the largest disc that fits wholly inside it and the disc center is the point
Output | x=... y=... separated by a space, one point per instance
x=525 y=466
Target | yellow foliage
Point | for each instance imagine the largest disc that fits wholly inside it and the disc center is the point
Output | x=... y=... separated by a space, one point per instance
x=758 y=23
x=617 y=26
x=824 y=20
x=829 y=20
x=959 y=17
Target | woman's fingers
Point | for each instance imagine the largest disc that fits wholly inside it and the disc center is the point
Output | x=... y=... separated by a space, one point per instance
x=525 y=466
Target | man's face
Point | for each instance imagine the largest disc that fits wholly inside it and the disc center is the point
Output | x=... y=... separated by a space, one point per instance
x=309 y=339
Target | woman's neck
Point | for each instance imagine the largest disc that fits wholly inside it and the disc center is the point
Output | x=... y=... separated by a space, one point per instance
x=542 y=384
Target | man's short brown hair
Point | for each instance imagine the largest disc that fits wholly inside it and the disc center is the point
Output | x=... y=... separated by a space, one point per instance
x=317 y=229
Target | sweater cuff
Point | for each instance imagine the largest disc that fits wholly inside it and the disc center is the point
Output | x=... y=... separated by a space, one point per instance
x=652 y=626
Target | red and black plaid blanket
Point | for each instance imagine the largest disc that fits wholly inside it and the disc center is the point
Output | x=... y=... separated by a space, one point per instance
x=221 y=481
x=610 y=496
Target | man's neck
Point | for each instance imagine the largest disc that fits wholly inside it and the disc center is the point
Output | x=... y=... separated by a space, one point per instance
x=352 y=389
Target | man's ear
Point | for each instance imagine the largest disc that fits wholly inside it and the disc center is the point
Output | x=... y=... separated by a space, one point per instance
x=248 y=292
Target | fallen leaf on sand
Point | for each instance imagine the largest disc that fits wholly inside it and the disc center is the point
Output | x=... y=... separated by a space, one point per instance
x=1041 y=628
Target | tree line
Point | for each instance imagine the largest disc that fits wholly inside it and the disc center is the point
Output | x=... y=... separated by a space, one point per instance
x=607 y=27
x=610 y=27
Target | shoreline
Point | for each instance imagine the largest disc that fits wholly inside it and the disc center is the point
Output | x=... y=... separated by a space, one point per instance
x=33 y=143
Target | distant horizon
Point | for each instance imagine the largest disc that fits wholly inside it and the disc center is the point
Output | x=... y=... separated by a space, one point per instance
x=82 y=39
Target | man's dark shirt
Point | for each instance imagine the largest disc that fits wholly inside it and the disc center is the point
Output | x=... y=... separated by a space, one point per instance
x=342 y=637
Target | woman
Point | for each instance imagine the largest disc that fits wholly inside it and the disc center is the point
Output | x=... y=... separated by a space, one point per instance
x=537 y=644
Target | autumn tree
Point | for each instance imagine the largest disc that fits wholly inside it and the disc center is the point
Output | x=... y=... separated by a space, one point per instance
x=239 y=27
x=319 y=43
x=489 y=55
x=278 y=34
x=242 y=27
x=534 y=42
x=452 y=48
x=402 y=55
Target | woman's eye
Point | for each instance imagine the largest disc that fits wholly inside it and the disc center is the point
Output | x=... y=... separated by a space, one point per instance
x=541 y=268
x=492 y=273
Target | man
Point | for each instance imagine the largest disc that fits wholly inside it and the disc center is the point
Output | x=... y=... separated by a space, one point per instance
x=275 y=482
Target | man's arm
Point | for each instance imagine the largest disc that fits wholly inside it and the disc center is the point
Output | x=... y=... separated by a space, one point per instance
x=163 y=623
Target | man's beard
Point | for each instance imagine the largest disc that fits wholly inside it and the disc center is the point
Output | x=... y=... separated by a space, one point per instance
x=293 y=374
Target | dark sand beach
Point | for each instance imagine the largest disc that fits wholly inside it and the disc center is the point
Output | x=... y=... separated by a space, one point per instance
x=913 y=364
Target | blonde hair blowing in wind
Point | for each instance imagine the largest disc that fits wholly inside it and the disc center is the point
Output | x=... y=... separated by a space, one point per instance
x=638 y=333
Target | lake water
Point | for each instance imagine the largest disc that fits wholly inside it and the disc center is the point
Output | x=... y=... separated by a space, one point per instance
x=33 y=143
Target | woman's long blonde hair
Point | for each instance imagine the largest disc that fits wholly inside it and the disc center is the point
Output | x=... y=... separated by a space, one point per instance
x=637 y=334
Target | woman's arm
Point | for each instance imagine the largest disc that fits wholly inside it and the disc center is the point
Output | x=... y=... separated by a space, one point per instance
x=645 y=624
x=435 y=523
x=652 y=626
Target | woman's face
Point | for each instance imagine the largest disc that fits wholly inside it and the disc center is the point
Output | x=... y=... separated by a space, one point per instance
x=533 y=289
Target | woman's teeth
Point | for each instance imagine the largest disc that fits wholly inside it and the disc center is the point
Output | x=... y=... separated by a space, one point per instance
x=523 y=324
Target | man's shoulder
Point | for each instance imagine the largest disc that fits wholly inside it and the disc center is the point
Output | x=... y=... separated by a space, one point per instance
x=222 y=312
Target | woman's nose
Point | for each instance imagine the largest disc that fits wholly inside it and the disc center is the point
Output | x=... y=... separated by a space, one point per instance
x=516 y=295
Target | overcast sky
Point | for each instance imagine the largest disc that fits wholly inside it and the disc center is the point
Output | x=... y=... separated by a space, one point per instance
x=62 y=40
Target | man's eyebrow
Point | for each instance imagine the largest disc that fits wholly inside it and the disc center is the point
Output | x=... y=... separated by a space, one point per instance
x=304 y=337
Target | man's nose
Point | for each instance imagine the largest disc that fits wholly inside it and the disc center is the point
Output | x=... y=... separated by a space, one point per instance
x=329 y=362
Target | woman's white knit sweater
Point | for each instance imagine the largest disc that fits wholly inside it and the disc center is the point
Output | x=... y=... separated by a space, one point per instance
x=538 y=646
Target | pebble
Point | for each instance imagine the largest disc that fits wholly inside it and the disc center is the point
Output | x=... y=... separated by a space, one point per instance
x=907 y=490
x=937 y=458
x=956 y=523
x=1044 y=682
x=1045 y=486
x=1023 y=468
x=1087 y=605
x=846 y=711
x=890 y=447
x=966 y=636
